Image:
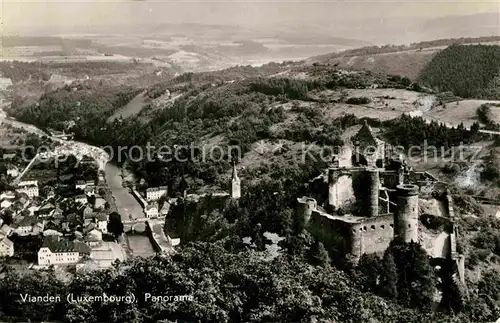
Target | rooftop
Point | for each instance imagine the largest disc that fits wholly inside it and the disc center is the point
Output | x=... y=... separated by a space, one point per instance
x=7 y=242
x=29 y=221
x=58 y=244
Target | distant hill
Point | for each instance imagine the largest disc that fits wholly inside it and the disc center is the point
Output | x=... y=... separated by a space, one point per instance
x=485 y=24
x=404 y=60
x=468 y=71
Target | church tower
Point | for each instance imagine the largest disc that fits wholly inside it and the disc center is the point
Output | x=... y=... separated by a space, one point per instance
x=235 y=184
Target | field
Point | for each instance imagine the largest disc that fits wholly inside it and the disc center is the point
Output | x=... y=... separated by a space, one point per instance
x=131 y=108
x=462 y=111
x=405 y=63
x=10 y=137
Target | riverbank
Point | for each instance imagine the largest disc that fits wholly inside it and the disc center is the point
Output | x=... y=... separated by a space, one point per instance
x=119 y=198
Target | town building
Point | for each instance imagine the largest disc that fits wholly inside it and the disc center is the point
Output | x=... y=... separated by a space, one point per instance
x=92 y=236
x=12 y=171
x=30 y=190
x=100 y=203
x=6 y=230
x=8 y=156
x=7 y=195
x=102 y=222
x=46 y=210
x=82 y=199
x=28 y=183
x=165 y=209
x=155 y=193
x=152 y=210
x=90 y=190
x=6 y=203
x=87 y=211
x=6 y=247
x=29 y=225
x=80 y=185
x=57 y=213
x=57 y=250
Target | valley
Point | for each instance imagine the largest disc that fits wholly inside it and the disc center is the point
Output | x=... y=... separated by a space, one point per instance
x=283 y=118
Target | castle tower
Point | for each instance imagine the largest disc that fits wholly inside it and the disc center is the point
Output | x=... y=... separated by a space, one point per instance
x=401 y=175
x=332 y=188
x=373 y=185
x=406 y=215
x=306 y=207
x=235 y=184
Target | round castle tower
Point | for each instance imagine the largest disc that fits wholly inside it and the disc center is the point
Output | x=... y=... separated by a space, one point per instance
x=406 y=215
x=373 y=184
x=306 y=207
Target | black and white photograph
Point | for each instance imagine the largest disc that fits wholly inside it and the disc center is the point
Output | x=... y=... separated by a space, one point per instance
x=309 y=161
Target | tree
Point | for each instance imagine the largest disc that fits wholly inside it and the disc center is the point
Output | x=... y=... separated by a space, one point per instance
x=319 y=254
x=388 y=277
x=115 y=225
x=369 y=271
x=416 y=278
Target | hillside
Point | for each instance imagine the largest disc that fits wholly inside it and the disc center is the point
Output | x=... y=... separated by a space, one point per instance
x=403 y=60
x=468 y=71
x=270 y=114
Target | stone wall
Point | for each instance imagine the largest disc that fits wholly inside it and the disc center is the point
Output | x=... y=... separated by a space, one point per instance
x=372 y=235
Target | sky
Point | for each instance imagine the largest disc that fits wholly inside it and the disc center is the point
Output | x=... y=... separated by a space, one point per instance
x=19 y=14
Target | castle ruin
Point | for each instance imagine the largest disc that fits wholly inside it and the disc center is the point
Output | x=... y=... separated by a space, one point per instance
x=376 y=197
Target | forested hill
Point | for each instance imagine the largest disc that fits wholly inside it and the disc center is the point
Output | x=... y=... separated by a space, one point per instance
x=292 y=106
x=403 y=60
x=471 y=71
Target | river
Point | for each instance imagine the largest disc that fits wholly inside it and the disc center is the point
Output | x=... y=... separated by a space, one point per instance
x=129 y=208
x=127 y=205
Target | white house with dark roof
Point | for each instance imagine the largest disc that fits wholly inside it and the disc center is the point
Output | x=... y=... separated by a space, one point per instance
x=102 y=222
x=155 y=193
x=28 y=183
x=6 y=230
x=6 y=247
x=56 y=250
x=29 y=225
x=151 y=210
x=46 y=210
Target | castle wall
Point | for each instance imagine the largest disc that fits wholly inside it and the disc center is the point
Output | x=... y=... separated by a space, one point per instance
x=366 y=185
x=372 y=235
x=340 y=192
x=353 y=235
x=437 y=245
x=333 y=233
x=390 y=179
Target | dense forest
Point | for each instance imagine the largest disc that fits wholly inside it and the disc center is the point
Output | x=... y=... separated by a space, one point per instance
x=225 y=287
x=470 y=71
x=40 y=71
